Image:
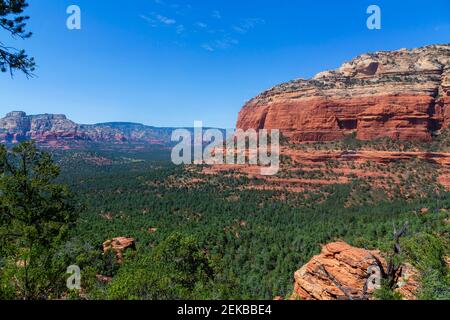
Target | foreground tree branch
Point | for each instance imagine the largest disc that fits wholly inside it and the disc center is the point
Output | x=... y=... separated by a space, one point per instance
x=13 y=21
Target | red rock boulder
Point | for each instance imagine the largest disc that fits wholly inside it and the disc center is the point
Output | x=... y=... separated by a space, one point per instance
x=343 y=272
x=118 y=246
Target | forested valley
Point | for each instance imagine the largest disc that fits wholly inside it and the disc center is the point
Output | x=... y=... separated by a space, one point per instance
x=212 y=239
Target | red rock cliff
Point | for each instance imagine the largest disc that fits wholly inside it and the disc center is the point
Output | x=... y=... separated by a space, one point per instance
x=401 y=94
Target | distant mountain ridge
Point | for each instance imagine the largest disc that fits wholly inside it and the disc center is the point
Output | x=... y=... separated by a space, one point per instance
x=54 y=129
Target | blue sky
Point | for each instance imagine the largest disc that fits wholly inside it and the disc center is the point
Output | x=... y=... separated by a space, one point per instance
x=168 y=63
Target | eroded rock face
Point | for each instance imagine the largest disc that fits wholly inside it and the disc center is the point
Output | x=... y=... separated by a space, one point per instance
x=341 y=270
x=399 y=94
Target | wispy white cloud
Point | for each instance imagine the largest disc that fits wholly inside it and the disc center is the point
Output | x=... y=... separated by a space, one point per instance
x=225 y=43
x=213 y=33
x=151 y=21
x=157 y=19
x=165 y=20
x=220 y=44
x=207 y=47
x=201 y=25
x=239 y=29
x=247 y=24
x=206 y=28
x=180 y=29
x=216 y=14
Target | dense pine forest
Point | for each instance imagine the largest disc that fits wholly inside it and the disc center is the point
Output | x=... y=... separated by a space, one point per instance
x=216 y=240
x=255 y=239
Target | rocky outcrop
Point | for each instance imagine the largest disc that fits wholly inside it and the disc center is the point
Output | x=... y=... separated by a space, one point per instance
x=118 y=246
x=52 y=128
x=312 y=156
x=342 y=272
x=398 y=94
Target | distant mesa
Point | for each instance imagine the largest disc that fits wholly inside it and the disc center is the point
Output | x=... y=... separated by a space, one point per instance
x=402 y=95
x=16 y=114
x=56 y=129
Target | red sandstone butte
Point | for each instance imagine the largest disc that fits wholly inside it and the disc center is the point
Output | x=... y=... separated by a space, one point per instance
x=398 y=94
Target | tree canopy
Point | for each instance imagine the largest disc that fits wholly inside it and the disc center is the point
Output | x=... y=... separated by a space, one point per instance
x=14 y=22
x=35 y=215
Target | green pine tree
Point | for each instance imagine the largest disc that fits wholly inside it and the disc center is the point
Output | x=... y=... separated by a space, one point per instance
x=35 y=215
x=13 y=21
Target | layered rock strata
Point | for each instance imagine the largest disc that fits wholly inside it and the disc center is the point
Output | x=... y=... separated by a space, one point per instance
x=400 y=94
